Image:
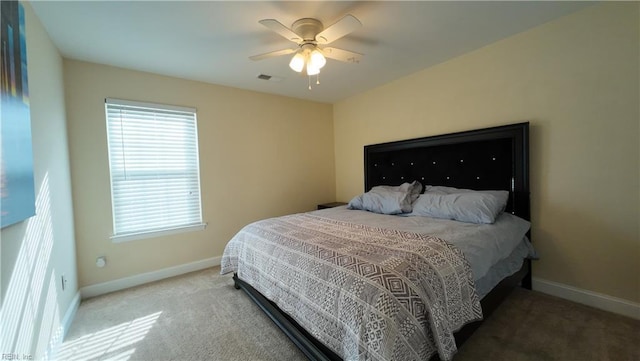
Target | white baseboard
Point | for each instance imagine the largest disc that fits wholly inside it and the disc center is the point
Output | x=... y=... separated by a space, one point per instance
x=58 y=337
x=70 y=314
x=589 y=298
x=127 y=282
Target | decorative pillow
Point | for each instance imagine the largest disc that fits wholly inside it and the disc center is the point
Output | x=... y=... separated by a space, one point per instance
x=471 y=207
x=388 y=199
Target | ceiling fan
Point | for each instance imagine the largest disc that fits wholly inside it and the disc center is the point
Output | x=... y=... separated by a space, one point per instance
x=310 y=36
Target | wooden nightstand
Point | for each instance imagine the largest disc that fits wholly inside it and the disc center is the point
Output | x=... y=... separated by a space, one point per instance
x=331 y=205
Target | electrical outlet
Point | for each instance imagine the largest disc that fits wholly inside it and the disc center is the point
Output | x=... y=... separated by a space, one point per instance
x=101 y=261
x=64 y=282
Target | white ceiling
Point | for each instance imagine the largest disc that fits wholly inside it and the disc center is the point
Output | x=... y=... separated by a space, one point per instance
x=211 y=41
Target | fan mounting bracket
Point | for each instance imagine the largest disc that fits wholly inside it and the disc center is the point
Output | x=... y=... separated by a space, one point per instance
x=307 y=28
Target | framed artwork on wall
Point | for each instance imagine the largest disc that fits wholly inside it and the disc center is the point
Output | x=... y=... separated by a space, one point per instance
x=17 y=195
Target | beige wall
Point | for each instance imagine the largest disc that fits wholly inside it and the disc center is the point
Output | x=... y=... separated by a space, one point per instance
x=37 y=252
x=576 y=80
x=260 y=156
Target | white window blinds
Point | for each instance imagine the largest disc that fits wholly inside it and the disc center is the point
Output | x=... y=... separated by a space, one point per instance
x=155 y=177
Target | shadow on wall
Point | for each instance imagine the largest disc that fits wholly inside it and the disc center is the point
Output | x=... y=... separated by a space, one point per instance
x=30 y=320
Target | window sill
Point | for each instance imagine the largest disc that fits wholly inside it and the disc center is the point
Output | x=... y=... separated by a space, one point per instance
x=165 y=232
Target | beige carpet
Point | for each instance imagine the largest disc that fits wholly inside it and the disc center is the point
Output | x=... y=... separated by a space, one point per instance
x=200 y=316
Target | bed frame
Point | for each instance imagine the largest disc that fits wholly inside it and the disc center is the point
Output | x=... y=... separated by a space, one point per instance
x=491 y=158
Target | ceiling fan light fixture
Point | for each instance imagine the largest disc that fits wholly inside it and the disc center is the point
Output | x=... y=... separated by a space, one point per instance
x=297 y=62
x=312 y=70
x=317 y=59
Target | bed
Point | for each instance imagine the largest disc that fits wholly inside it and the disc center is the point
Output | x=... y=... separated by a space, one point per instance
x=358 y=285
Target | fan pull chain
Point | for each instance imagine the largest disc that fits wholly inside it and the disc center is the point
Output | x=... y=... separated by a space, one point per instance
x=317 y=80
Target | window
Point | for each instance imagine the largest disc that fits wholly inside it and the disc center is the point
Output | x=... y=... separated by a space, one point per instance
x=155 y=178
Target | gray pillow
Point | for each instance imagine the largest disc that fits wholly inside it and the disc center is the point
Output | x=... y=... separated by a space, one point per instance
x=471 y=207
x=388 y=199
x=502 y=196
x=356 y=202
x=414 y=189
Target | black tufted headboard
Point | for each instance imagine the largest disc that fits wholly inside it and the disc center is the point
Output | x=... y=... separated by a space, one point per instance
x=491 y=158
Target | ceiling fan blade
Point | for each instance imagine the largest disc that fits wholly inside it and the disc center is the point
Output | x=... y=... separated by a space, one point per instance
x=344 y=26
x=282 y=30
x=342 y=55
x=272 y=54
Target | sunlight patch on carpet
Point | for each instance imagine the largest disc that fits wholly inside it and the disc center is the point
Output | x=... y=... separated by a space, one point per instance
x=113 y=343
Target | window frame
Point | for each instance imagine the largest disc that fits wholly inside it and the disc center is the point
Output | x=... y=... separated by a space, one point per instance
x=156 y=232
